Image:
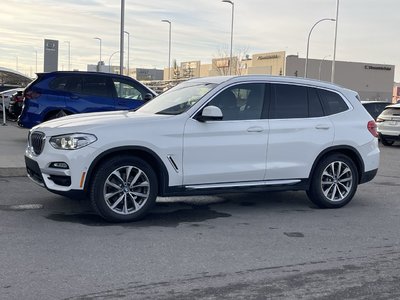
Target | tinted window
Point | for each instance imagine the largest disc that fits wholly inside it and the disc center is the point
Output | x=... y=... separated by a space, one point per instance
x=96 y=86
x=241 y=102
x=59 y=83
x=289 y=101
x=314 y=104
x=391 y=111
x=127 y=90
x=332 y=102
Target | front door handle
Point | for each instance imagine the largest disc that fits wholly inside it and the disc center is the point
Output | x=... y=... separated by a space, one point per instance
x=323 y=126
x=255 y=129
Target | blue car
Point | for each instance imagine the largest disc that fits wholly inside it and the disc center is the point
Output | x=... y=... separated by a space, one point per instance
x=56 y=94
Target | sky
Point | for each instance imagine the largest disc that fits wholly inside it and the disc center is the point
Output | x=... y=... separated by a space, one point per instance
x=367 y=30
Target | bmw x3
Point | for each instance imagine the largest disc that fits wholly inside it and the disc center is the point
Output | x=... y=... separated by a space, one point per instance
x=211 y=135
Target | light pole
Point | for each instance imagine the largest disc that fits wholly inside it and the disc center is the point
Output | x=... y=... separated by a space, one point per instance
x=169 y=48
x=233 y=9
x=127 y=65
x=69 y=54
x=334 y=43
x=36 y=60
x=121 y=41
x=97 y=38
x=109 y=61
x=320 y=66
x=308 y=41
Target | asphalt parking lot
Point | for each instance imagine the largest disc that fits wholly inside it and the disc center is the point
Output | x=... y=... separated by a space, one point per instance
x=231 y=246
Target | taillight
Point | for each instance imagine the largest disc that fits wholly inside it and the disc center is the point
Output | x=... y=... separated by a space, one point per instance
x=372 y=128
x=31 y=94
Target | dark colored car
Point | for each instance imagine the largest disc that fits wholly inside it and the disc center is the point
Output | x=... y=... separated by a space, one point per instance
x=15 y=106
x=375 y=107
x=56 y=94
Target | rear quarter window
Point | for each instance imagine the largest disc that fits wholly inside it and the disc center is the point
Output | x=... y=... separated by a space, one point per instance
x=332 y=102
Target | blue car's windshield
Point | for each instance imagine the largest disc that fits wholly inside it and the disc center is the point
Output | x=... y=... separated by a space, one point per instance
x=178 y=99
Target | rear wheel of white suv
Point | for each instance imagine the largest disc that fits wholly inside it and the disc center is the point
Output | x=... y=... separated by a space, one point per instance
x=123 y=189
x=334 y=182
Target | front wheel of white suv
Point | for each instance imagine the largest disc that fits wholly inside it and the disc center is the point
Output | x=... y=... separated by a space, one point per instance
x=334 y=182
x=123 y=189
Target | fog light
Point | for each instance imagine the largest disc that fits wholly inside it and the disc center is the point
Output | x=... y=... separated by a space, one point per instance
x=59 y=165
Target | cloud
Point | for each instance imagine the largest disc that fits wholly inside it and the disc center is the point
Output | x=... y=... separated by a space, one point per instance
x=200 y=29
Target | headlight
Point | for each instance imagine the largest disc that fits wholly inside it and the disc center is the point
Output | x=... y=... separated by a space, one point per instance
x=72 y=141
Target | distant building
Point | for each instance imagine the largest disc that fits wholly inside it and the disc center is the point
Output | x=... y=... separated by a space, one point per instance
x=143 y=74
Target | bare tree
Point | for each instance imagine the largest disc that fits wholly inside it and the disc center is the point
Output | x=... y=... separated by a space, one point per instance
x=221 y=63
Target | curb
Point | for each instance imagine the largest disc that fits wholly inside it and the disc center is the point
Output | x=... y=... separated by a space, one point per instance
x=13 y=172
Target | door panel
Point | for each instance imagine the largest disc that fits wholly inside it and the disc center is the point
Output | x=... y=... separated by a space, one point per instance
x=233 y=149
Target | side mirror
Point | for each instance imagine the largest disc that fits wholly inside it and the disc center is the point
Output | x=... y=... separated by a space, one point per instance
x=210 y=113
x=148 y=97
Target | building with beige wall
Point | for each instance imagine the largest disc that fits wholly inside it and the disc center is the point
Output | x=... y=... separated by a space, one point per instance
x=372 y=81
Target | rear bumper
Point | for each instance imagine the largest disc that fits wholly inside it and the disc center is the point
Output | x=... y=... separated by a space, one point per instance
x=368 y=176
x=389 y=137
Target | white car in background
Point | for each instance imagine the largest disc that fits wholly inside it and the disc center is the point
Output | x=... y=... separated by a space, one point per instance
x=389 y=125
x=7 y=94
x=211 y=135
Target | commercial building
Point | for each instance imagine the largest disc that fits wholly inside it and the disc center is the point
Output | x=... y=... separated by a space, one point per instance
x=372 y=81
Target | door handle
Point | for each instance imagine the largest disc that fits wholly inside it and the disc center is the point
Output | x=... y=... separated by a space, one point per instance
x=255 y=129
x=323 y=126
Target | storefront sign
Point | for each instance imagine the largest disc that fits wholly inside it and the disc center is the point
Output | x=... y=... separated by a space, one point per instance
x=382 y=68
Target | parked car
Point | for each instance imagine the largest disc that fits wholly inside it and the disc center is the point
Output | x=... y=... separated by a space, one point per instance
x=7 y=97
x=56 y=94
x=375 y=107
x=16 y=103
x=211 y=135
x=389 y=125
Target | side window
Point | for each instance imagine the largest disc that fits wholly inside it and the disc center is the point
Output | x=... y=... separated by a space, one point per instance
x=241 y=102
x=127 y=90
x=96 y=86
x=332 y=102
x=59 y=83
x=289 y=101
x=314 y=104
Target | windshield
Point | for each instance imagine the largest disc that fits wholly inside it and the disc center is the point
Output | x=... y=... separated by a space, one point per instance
x=178 y=99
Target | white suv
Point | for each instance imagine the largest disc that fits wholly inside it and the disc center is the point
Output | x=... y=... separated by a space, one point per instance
x=211 y=135
x=389 y=125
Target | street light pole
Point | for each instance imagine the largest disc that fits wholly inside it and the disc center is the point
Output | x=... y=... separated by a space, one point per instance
x=127 y=65
x=69 y=55
x=97 y=38
x=233 y=9
x=121 y=43
x=109 y=61
x=36 y=61
x=169 y=48
x=334 y=43
x=308 y=42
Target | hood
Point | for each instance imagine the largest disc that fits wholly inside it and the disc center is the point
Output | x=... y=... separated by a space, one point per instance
x=87 y=121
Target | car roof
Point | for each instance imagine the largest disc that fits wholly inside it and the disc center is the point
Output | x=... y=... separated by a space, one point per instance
x=284 y=79
x=397 y=105
x=81 y=73
x=373 y=101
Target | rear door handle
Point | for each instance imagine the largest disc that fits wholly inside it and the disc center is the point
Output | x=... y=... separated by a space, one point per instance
x=255 y=129
x=323 y=126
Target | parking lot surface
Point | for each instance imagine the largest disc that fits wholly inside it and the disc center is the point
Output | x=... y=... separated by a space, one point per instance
x=231 y=246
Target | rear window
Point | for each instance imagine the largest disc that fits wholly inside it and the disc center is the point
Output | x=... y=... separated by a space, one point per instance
x=391 y=111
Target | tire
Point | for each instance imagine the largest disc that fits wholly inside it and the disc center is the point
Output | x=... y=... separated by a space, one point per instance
x=56 y=115
x=334 y=182
x=112 y=195
x=385 y=142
